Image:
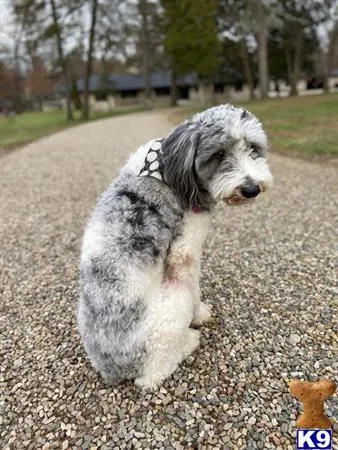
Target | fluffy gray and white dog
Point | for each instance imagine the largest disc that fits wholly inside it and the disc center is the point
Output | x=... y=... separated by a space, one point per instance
x=140 y=263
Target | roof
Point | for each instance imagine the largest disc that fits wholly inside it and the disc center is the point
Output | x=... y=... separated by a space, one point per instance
x=132 y=82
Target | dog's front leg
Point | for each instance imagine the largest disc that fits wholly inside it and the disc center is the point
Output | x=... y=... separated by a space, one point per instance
x=184 y=261
x=202 y=311
x=185 y=268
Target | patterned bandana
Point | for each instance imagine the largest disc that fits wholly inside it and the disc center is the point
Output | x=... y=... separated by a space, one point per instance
x=152 y=167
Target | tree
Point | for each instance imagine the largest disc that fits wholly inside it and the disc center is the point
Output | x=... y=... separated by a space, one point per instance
x=15 y=58
x=245 y=56
x=47 y=21
x=143 y=6
x=236 y=24
x=85 y=111
x=262 y=41
x=43 y=21
x=129 y=36
x=249 y=21
x=191 y=39
x=277 y=60
x=116 y=32
x=299 y=20
x=39 y=82
x=148 y=31
x=330 y=53
x=8 y=86
x=56 y=28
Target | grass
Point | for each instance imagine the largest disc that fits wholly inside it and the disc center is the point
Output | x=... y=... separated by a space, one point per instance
x=302 y=126
x=27 y=127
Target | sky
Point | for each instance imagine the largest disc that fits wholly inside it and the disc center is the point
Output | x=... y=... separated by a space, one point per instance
x=5 y=23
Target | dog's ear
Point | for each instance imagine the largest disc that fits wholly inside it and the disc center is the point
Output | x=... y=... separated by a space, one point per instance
x=178 y=158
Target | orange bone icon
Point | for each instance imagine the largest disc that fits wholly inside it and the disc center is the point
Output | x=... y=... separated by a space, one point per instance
x=313 y=396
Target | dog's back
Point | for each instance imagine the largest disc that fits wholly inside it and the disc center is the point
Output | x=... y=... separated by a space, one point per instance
x=122 y=262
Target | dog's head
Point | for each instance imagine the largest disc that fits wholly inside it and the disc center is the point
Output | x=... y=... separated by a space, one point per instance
x=218 y=155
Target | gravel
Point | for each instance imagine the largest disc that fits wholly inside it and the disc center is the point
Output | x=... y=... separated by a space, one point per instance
x=269 y=271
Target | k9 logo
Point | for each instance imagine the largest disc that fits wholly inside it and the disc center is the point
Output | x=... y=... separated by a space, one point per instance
x=314 y=439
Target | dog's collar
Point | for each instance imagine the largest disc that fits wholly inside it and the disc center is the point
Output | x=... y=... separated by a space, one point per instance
x=197 y=209
x=152 y=164
x=153 y=167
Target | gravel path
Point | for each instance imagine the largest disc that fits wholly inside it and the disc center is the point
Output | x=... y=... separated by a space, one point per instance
x=269 y=271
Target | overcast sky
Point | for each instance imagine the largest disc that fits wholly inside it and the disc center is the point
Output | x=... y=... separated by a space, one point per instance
x=5 y=22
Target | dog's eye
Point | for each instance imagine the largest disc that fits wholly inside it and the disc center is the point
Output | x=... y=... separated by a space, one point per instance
x=219 y=155
x=254 y=151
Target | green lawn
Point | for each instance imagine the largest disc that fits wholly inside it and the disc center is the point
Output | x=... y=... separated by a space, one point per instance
x=28 y=127
x=305 y=126
x=301 y=125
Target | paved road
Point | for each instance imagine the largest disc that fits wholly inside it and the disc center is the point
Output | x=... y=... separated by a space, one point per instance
x=269 y=271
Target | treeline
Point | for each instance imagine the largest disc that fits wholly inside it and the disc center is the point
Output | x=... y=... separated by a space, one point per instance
x=263 y=39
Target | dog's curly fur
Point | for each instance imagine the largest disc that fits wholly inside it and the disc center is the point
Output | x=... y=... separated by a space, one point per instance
x=140 y=262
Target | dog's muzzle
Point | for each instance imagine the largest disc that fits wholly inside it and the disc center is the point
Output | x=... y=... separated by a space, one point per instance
x=245 y=194
x=250 y=191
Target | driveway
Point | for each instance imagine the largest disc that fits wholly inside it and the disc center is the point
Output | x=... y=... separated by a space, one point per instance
x=269 y=270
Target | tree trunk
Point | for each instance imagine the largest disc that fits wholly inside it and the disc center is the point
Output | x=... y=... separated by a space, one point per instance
x=89 y=65
x=297 y=62
x=288 y=63
x=294 y=89
x=146 y=56
x=63 y=62
x=262 y=38
x=330 y=56
x=326 y=72
x=247 y=68
x=18 y=104
x=173 y=87
x=213 y=98
x=75 y=95
x=40 y=103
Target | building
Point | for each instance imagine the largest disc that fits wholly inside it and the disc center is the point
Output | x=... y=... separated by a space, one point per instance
x=129 y=85
x=107 y=91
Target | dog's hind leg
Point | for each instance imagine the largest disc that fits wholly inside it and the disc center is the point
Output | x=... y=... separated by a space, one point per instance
x=170 y=338
x=168 y=351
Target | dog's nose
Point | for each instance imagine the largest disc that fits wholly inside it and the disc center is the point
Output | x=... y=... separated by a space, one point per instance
x=250 y=191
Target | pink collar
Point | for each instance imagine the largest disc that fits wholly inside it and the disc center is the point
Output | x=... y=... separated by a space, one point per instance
x=196 y=209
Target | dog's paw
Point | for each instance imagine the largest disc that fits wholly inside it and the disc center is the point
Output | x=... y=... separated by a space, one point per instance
x=192 y=342
x=203 y=314
x=147 y=384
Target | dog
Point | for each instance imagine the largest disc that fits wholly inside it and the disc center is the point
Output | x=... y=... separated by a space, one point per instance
x=141 y=251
